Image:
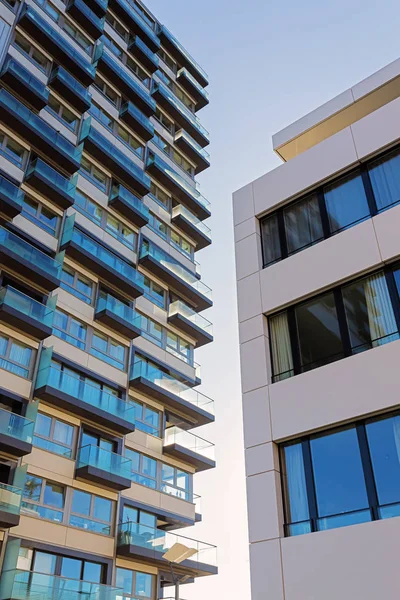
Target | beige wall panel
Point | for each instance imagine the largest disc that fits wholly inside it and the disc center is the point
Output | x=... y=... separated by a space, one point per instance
x=55 y=412
x=131 y=564
x=178 y=506
x=40 y=530
x=52 y=466
x=14 y=383
x=28 y=64
x=58 y=126
x=90 y=542
x=73 y=305
x=143 y=494
x=92 y=190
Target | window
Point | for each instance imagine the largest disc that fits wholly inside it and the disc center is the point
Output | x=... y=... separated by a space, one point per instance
x=32 y=52
x=92 y=513
x=117 y=26
x=121 y=232
x=158 y=226
x=101 y=115
x=303 y=224
x=177 y=158
x=178 y=91
x=164 y=338
x=151 y=330
x=160 y=196
x=172 y=237
x=341 y=212
x=63 y=114
x=135 y=583
x=13 y=151
x=15 y=357
x=68 y=26
x=154 y=292
x=92 y=210
x=144 y=468
x=179 y=347
x=119 y=131
x=108 y=350
x=91 y=172
x=43 y=499
x=69 y=329
x=107 y=91
x=170 y=62
x=325 y=476
x=384 y=174
x=43 y=564
x=80 y=286
x=271 y=245
x=80 y=386
x=127 y=61
x=165 y=121
x=175 y=482
x=42 y=216
x=54 y=435
x=147 y=521
x=351 y=318
x=146 y=418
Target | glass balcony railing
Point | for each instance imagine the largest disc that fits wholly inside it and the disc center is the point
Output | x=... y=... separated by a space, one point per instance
x=84 y=391
x=133 y=116
x=130 y=200
x=180 y=210
x=10 y=499
x=11 y=192
x=82 y=97
x=109 y=462
x=159 y=541
x=136 y=46
x=171 y=385
x=185 y=73
x=93 y=24
x=174 y=267
x=189 y=141
x=186 y=439
x=180 y=308
x=28 y=585
x=16 y=426
x=32 y=86
x=187 y=58
x=27 y=306
x=119 y=309
x=24 y=251
x=62 y=185
x=138 y=23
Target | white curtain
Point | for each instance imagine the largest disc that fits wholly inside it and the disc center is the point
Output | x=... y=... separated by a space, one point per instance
x=282 y=359
x=381 y=319
x=385 y=180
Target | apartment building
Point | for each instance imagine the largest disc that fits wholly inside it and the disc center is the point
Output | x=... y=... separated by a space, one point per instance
x=100 y=303
x=318 y=280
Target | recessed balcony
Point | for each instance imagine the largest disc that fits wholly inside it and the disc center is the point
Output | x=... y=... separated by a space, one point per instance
x=96 y=257
x=17 y=584
x=26 y=314
x=51 y=40
x=189 y=448
x=136 y=23
x=118 y=316
x=135 y=540
x=145 y=56
x=193 y=150
x=23 y=83
x=180 y=113
x=129 y=205
x=10 y=505
x=137 y=121
x=66 y=391
x=99 y=7
x=11 y=198
x=170 y=391
x=182 y=56
x=194 y=88
x=70 y=89
x=117 y=161
x=86 y=18
x=21 y=257
x=171 y=272
x=103 y=467
x=47 y=181
x=178 y=186
x=186 y=319
x=192 y=226
x=126 y=83
x=15 y=433
x=39 y=134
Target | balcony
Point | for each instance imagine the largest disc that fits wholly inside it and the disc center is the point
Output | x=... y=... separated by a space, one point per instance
x=118 y=316
x=189 y=448
x=135 y=22
x=117 y=161
x=137 y=121
x=10 y=505
x=15 y=433
x=129 y=205
x=39 y=134
x=86 y=18
x=125 y=81
x=70 y=88
x=27 y=315
x=17 y=584
x=141 y=541
x=23 y=83
x=182 y=56
x=104 y=468
x=47 y=181
x=170 y=391
x=107 y=265
x=99 y=7
x=192 y=226
x=186 y=319
x=28 y=261
x=178 y=186
x=68 y=392
x=193 y=150
x=194 y=88
x=52 y=41
x=145 y=56
x=11 y=198
x=175 y=276
x=180 y=113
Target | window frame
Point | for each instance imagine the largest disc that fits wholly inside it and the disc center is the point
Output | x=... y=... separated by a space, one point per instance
x=36 y=218
x=40 y=502
x=162 y=342
x=29 y=55
x=54 y=421
x=59 y=114
x=6 y=357
x=10 y=156
x=76 y=274
x=91 y=517
x=90 y=176
x=154 y=219
x=154 y=299
x=170 y=151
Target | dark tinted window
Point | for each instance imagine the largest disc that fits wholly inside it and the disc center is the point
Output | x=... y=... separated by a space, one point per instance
x=303 y=224
x=270 y=240
x=385 y=179
x=346 y=202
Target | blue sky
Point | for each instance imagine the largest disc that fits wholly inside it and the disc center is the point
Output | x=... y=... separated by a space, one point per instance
x=269 y=63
